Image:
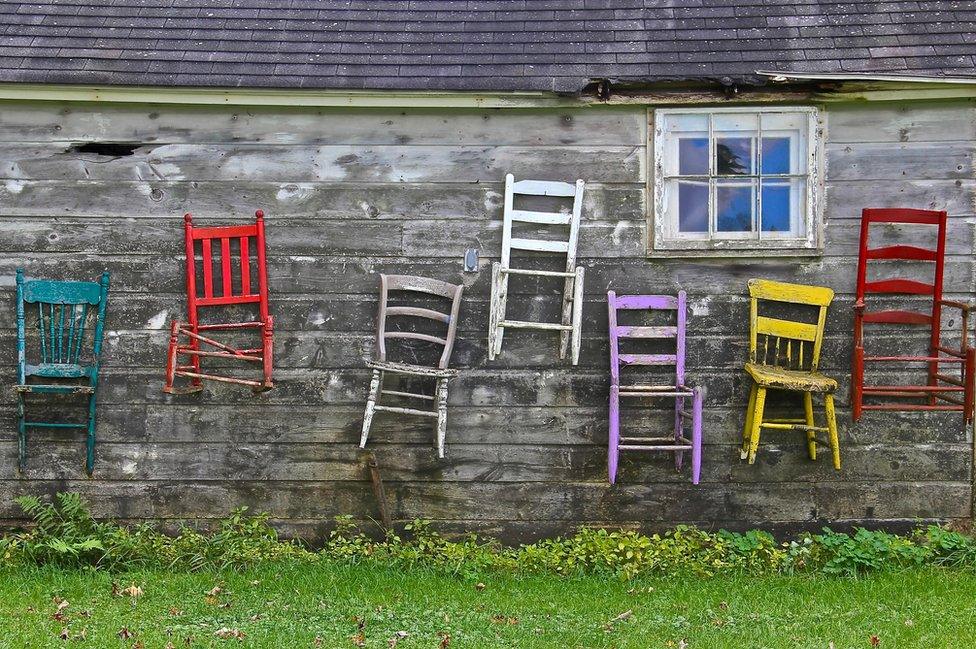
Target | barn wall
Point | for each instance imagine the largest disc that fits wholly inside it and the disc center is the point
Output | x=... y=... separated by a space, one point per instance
x=350 y=193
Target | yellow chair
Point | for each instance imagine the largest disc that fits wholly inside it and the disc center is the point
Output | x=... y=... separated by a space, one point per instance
x=783 y=355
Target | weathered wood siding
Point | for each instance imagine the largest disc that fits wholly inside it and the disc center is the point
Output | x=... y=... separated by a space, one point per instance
x=351 y=193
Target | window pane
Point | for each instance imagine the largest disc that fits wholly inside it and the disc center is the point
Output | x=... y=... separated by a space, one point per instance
x=734 y=206
x=692 y=207
x=776 y=155
x=693 y=156
x=733 y=156
x=775 y=207
x=792 y=126
x=783 y=205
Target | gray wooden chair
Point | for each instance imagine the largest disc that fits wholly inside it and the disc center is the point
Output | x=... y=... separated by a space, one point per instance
x=570 y=325
x=438 y=371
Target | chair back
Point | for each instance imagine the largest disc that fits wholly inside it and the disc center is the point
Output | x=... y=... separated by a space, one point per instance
x=417 y=287
x=900 y=252
x=781 y=341
x=541 y=219
x=70 y=325
x=676 y=332
x=227 y=253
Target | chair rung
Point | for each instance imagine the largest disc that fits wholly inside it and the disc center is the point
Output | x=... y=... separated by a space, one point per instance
x=952 y=352
x=223 y=379
x=778 y=426
x=240 y=357
x=521 y=324
x=655 y=439
x=659 y=447
x=654 y=394
x=541 y=273
x=909 y=389
x=406 y=411
x=41 y=424
x=916 y=359
x=409 y=394
x=908 y=406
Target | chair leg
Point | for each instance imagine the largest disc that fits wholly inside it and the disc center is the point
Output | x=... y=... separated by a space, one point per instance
x=174 y=339
x=757 y=418
x=267 y=340
x=679 y=405
x=90 y=443
x=811 y=434
x=441 y=416
x=577 y=314
x=499 y=298
x=969 y=384
x=857 y=383
x=747 y=427
x=21 y=433
x=696 y=436
x=832 y=428
x=375 y=386
x=567 y=316
x=613 y=442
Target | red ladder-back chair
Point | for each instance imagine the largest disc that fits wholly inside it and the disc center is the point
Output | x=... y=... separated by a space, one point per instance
x=941 y=391
x=238 y=280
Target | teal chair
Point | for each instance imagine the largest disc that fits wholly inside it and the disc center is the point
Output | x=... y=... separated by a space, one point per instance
x=70 y=319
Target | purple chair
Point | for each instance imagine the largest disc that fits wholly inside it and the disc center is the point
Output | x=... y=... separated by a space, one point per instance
x=677 y=390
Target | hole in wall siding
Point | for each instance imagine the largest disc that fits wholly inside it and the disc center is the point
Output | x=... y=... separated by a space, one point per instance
x=108 y=149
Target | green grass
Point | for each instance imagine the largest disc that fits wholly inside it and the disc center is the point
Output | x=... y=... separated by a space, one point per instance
x=292 y=605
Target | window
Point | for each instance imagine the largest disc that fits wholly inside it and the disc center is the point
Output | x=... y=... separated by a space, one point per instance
x=736 y=179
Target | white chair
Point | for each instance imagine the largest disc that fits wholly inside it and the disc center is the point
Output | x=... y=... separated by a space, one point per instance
x=570 y=326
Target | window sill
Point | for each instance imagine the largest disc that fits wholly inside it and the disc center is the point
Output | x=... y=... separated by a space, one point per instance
x=734 y=253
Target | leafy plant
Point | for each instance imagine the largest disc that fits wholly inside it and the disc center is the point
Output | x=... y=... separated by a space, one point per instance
x=65 y=534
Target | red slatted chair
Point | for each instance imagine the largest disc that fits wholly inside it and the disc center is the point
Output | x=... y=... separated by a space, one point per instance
x=238 y=277
x=941 y=391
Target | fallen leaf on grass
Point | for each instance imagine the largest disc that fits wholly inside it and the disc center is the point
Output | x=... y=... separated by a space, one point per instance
x=445 y=639
x=682 y=644
x=124 y=633
x=169 y=645
x=501 y=619
x=875 y=641
x=909 y=622
x=64 y=633
x=216 y=590
x=138 y=645
x=397 y=637
x=133 y=591
x=358 y=639
x=175 y=612
x=317 y=642
x=226 y=633
x=479 y=586
x=115 y=589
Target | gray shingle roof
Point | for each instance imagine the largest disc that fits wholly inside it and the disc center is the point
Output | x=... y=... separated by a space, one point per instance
x=556 y=45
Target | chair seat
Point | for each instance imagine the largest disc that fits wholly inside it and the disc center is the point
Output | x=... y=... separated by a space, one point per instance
x=406 y=368
x=769 y=376
x=41 y=388
x=59 y=370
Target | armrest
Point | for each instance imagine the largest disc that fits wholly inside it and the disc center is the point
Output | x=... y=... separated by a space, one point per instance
x=965 y=308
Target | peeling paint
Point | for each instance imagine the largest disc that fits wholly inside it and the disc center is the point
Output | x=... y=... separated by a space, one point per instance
x=14 y=186
x=159 y=320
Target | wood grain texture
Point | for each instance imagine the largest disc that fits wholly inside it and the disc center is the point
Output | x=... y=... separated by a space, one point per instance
x=350 y=194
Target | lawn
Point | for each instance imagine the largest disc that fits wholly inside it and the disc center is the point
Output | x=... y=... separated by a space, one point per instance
x=345 y=606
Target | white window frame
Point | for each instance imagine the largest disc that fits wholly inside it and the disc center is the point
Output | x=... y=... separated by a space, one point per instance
x=663 y=241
